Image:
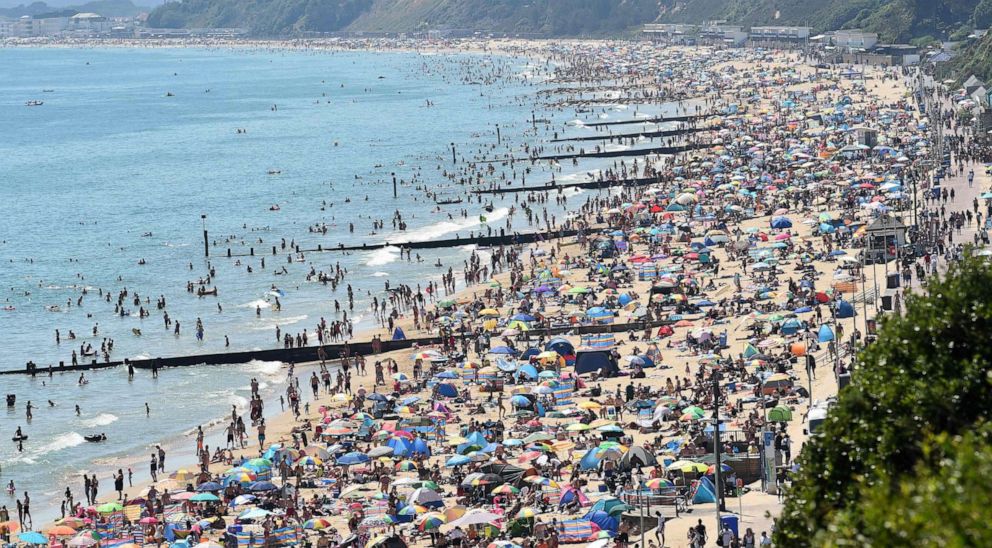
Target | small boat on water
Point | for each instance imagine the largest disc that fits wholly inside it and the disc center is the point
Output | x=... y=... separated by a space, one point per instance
x=95 y=438
x=448 y=202
x=34 y=103
x=274 y=171
x=203 y=291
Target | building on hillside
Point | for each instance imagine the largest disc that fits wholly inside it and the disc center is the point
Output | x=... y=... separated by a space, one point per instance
x=719 y=32
x=89 y=23
x=780 y=35
x=677 y=33
x=852 y=39
x=7 y=27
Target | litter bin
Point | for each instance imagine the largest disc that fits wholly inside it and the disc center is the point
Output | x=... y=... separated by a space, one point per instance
x=730 y=520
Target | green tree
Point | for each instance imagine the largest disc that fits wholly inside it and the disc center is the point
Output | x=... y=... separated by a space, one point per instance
x=947 y=504
x=982 y=16
x=929 y=374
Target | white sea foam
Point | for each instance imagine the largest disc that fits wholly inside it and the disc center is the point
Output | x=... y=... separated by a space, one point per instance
x=267 y=324
x=141 y=357
x=383 y=256
x=576 y=123
x=258 y=303
x=103 y=419
x=264 y=367
x=380 y=274
x=63 y=441
x=460 y=225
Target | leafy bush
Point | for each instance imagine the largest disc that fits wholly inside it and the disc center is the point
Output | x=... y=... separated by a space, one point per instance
x=929 y=376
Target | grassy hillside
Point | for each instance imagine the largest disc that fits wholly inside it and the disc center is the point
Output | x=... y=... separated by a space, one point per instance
x=285 y=17
x=894 y=20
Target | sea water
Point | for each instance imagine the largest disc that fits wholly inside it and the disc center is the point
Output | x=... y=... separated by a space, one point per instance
x=132 y=146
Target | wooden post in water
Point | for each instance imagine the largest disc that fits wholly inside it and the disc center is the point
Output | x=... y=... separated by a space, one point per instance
x=206 y=242
x=394 y=184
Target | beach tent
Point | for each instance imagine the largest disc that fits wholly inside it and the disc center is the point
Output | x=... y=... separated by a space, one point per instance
x=590 y=460
x=473 y=439
x=570 y=494
x=596 y=360
x=527 y=371
x=420 y=447
x=845 y=310
x=561 y=346
x=705 y=492
x=781 y=222
x=825 y=334
x=447 y=390
x=604 y=520
x=790 y=326
x=637 y=457
x=401 y=447
x=611 y=505
x=398 y=334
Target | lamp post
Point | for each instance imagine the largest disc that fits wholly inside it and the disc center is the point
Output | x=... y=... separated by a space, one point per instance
x=718 y=474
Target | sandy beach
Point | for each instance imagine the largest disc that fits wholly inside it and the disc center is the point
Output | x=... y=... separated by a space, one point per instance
x=748 y=257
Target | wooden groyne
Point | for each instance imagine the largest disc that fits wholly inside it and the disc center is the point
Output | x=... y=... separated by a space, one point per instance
x=622 y=136
x=502 y=239
x=599 y=183
x=305 y=354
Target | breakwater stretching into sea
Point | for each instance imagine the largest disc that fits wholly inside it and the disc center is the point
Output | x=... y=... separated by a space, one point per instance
x=106 y=182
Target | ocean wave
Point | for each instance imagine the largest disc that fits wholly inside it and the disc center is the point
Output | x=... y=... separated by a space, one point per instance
x=264 y=367
x=257 y=303
x=575 y=123
x=64 y=441
x=380 y=274
x=266 y=324
x=462 y=226
x=383 y=256
x=141 y=357
x=103 y=419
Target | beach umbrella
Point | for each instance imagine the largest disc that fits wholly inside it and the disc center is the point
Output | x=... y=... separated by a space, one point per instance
x=209 y=486
x=10 y=527
x=431 y=521
x=62 y=531
x=527 y=512
x=241 y=500
x=204 y=497
x=109 y=507
x=354 y=457
x=520 y=401
x=82 y=541
x=406 y=466
x=32 y=537
x=262 y=486
x=254 y=513
x=505 y=489
x=723 y=468
x=688 y=466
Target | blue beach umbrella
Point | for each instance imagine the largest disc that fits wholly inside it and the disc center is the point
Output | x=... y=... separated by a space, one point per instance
x=353 y=458
x=32 y=537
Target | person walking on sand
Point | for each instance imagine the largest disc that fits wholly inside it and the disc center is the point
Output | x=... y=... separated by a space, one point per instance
x=161 y=458
x=154 y=468
x=261 y=433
